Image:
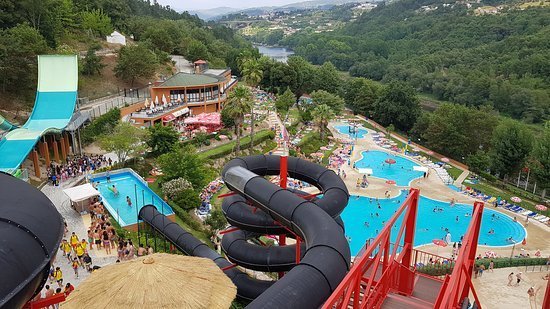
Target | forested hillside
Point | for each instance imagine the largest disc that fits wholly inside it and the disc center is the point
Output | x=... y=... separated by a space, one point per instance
x=32 y=27
x=447 y=50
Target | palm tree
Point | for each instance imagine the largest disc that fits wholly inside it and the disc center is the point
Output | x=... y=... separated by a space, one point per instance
x=238 y=104
x=252 y=74
x=322 y=115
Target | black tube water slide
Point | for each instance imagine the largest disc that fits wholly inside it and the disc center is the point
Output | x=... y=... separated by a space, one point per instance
x=30 y=233
x=325 y=254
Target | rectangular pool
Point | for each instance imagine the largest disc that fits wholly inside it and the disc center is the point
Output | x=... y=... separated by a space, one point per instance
x=130 y=184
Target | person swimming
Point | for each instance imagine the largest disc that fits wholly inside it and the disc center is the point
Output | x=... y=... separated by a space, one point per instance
x=491 y=231
x=115 y=190
x=128 y=201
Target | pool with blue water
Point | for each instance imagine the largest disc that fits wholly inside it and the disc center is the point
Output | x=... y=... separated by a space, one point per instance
x=345 y=129
x=128 y=184
x=364 y=219
x=402 y=171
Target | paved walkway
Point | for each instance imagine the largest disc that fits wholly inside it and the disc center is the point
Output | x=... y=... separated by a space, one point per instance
x=75 y=224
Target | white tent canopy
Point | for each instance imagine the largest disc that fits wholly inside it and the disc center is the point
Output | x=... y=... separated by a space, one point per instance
x=81 y=193
x=420 y=168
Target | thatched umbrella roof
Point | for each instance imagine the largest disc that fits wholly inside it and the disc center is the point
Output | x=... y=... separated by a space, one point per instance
x=157 y=281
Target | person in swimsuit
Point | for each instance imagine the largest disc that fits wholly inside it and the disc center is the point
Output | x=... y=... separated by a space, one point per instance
x=97 y=239
x=106 y=242
x=128 y=201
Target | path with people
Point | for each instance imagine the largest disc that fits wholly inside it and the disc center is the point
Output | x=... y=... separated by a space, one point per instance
x=75 y=224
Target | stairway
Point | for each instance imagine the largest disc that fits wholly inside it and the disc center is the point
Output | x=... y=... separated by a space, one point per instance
x=424 y=295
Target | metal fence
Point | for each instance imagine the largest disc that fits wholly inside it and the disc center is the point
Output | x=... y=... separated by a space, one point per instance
x=124 y=97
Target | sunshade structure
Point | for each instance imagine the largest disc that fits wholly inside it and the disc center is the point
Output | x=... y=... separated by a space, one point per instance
x=211 y=121
x=53 y=108
x=157 y=281
x=81 y=193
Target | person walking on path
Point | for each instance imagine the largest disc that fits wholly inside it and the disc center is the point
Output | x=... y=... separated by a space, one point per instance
x=75 y=265
x=58 y=276
x=518 y=278
x=510 y=278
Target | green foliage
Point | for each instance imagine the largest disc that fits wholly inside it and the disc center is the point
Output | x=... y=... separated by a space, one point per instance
x=173 y=187
x=184 y=162
x=322 y=115
x=18 y=62
x=92 y=63
x=125 y=140
x=455 y=130
x=511 y=144
x=252 y=72
x=162 y=139
x=239 y=103
x=398 y=104
x=361 y=94
x=135 y=61
x=216 y=220
x=102 y=125
x=227 y=119
x=540 y=159
x=97 y=22
x=227 y=149
x=201 y=139
x=479 y=162
x=450 y=52
x=311 y=143
x=285 y=100
x=197 y=51
x=322 y=97
x=187 y=199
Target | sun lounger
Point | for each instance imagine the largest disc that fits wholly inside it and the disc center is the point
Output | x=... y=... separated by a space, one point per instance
x=544 y=220
x=538 y=217
x=525 y=213
x=532 y=214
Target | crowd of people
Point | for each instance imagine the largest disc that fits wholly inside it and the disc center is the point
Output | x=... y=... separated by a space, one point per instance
x=75 y=166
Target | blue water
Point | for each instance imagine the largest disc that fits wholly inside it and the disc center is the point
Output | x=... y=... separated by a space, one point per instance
x=429 y=224
x=401 y=172
x=454 y=188
x=128 y=185
x=344 y=129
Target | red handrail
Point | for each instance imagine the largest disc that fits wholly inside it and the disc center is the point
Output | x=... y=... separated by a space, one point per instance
x=385 y=262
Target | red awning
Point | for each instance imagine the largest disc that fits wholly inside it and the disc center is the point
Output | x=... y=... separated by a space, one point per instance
x=168 y=118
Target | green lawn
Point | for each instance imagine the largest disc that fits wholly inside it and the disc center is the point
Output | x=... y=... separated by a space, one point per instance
x=489 y=189
x=455 y=172
x=228 y=148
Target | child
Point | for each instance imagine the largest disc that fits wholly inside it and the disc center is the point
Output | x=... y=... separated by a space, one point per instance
x=66 y=248
x=76 y=264
x=58 y=276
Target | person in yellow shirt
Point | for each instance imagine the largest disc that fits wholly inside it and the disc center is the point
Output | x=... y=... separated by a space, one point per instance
x=58 y=275
x=66 y=248
x=74 y=240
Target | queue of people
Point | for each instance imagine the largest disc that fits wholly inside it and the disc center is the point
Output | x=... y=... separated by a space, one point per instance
x=75 y=166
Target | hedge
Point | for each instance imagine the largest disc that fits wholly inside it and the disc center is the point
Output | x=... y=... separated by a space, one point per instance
x=443 y=269
x=226 y=149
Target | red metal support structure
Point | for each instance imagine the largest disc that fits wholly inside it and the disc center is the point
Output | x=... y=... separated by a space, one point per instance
x=283 y=172
x=459 y=284
x=380 y=269
x=546 y=302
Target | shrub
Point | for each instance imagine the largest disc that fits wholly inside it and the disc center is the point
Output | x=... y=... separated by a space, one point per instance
x=228 y=148
x=102 y=125
x=187 y=199
x=173 y=187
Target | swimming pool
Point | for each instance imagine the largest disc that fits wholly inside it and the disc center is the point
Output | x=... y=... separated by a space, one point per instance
x=401 y=171
x=128 y=184
x=429 y=224
x=344 y=129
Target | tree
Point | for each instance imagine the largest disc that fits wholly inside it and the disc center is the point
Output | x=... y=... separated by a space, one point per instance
x=540 y=160
x=511 y=144
x=216 y=220
x=328 y=78
x=135 y=61
x=227 y=119
x=162 y=139
x=239 y=103
x=184 y=162
x=18 y=64
x=187 y=199
x=305 y=75
x=322 y=115
x=479 y=162
x=253 y=73
x=92 y=63
x=322 y=97
x=398 y=104
x=125 y=141
x=285 y=101
x=97 y=22
x=200 y=139
x=196 y=50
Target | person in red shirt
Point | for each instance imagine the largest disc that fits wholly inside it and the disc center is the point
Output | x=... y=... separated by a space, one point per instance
x=68 y=289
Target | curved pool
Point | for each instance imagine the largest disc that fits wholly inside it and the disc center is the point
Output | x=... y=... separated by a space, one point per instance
x=345 y=129
x=429 y=224
x=401 y=171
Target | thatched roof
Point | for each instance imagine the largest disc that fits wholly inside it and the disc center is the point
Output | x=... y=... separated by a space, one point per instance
x=157 y=281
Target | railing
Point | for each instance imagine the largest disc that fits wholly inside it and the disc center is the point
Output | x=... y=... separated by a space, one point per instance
x=378 y=271
x=459 y=283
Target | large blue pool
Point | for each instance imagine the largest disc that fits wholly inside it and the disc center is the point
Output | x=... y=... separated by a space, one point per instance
x=401 y=172
x=128 y=184
x=429 y=224
x=345 y=129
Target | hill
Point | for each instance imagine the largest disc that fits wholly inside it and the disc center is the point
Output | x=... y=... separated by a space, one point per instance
x=30 y=28
x=460 y=52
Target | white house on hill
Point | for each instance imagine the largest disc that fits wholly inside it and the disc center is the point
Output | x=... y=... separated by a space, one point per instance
x=116 y=38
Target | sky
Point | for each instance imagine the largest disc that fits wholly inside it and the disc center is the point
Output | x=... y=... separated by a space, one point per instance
x=209 y=4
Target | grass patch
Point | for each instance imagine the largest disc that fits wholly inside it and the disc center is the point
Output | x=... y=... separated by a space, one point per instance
x=455 y=172
x=311 y=143
x=228 y=148
x=489 y=189
x=328 y=153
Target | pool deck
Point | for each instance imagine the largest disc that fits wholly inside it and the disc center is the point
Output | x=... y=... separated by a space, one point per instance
x=432 y=187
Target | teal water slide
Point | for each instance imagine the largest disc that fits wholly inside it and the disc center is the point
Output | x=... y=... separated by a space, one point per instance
x=53 y=108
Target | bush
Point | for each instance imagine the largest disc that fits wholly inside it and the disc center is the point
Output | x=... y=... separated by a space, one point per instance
x=141 y=167
x=513 y=262
x=173 y=187
x=311 y=143
x=187 y=199
x=224 y=150
x=102 y=125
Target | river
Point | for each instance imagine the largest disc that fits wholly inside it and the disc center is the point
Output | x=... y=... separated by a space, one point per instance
x=280 y=54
